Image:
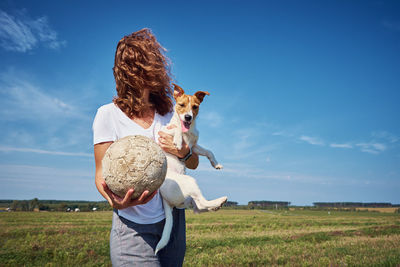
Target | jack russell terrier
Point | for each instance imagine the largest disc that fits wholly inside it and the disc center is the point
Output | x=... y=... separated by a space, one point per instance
x=180 y=190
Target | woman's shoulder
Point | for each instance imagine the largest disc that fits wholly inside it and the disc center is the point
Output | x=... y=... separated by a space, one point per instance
x=107 y=107
x=107 y=112
x=110 y=109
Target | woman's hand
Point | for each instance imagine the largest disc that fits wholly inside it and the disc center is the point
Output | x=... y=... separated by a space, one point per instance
x=121 y=203
x=166 y=142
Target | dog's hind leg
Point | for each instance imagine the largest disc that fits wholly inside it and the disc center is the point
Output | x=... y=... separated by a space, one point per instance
x=207 y=153
x=181 y=189
x=200 y=204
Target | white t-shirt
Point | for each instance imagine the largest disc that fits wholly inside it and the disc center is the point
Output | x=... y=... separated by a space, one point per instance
x=111 y=124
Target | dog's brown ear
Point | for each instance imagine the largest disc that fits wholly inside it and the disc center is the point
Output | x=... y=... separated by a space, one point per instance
x=178 y=91
x=200 y=95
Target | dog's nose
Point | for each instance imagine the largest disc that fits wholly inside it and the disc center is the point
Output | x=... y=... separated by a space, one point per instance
x=188 y=118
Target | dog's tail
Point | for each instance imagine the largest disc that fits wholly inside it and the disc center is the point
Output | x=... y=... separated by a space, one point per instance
x=167 y=227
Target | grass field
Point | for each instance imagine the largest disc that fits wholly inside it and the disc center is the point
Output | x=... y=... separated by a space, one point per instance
x=224 y=238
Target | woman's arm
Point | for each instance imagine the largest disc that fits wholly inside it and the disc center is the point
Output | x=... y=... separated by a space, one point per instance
x=114 y=200
x=192 y=162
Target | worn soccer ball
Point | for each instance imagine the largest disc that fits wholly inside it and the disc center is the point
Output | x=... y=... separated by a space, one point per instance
x=134 y=161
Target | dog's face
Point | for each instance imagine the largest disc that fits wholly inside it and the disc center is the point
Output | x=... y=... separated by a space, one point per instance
x=187 y=106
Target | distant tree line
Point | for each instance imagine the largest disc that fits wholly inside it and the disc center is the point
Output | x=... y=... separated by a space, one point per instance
x=353 y=204
x=268 y=204
x=65 y=205
x=53 y=205
x=231 y=204
x=25 y=205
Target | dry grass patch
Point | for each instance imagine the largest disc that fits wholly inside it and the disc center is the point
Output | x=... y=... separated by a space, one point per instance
x=384 y=210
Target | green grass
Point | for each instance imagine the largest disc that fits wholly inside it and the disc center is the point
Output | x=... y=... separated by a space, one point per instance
x=223 y=238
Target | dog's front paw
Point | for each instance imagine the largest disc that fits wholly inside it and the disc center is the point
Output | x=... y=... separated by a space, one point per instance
x=218 y=167
x=178 y=145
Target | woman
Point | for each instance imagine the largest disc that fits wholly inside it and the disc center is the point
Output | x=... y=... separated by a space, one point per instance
x=142 y=107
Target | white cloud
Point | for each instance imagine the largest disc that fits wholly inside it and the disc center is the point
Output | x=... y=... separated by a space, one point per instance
x=252 y=171
x=23 y=137
x=282 y=134
x=245 y=139
x=372 y=148
x=41 y=151
x=21 y=99
x=248 y=145
x=212 y=118
x=379 y=141
x=312 y=140
x=27 y=181
x=20 y=33
x=34 y=117
x=21 y=173
x=14 y=34
x=389 y=137
x=346 y=145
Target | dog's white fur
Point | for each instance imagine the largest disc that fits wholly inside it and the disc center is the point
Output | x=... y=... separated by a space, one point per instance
x=180 y=190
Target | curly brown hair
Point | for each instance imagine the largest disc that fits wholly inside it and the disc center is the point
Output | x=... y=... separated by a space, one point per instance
x=140 y=64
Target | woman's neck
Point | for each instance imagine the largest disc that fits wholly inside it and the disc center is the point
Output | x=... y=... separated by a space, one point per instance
x=147 y=115
x=148 y=110
x=146 y=97
x=145 y=120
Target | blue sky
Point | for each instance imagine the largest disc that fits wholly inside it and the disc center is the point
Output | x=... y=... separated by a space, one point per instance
x=303 y=106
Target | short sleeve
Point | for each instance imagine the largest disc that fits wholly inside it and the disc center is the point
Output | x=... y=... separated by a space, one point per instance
x=103 y=126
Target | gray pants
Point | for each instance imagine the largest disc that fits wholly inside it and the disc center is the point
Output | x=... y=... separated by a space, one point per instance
x=133 y=244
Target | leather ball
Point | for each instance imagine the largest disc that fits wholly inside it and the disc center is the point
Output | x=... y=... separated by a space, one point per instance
x=134 y=161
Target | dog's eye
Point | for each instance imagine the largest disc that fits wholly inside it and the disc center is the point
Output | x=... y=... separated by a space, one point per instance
x=195 y=107
x=182 y=105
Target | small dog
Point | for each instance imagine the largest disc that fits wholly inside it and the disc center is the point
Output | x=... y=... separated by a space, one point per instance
x=180 y=190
